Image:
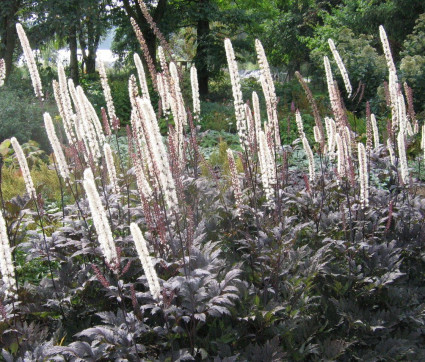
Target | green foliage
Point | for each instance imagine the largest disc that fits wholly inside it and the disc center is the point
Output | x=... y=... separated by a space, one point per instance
x=362 y=61
x=21 y=114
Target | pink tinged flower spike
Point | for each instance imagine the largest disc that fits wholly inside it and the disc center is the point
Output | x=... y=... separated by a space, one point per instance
x=310 y=158
x=56 y=146
x=235 y=180
x=341 y=67
x=317 y=134
x=6 y=264
x=375 y=130
x=237 y=93
x=146 y=260
x=107 y=93
x=29 y=57
x=2 y=71
x=24 y=168
x=269 y=91
x=142 y=76
x=100 y=219
x=195 y=92
x=404 y=171
x=110 y=165
x=363 y=176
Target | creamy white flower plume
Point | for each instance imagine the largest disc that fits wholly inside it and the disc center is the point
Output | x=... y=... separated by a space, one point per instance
x=6 y=264
x=237 y=93
x=404 y=171
x=195 y=92
x=107 y=93
x=24 y=167
x=363 y=176
x=56 y=146
x=299 y=123
x=341 y=67
x=310 y=158
x=100 y=220
x=268 y=167
x=110 y=165
x=375 y=130
x=29 y=57
x=2 y=71
x=142 y=76
x=257 y=114
x=148 y=268
x=269 y=91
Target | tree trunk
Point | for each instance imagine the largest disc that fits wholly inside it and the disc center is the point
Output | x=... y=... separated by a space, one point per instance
x=73 y=61
x=202 y=50
x=8 y=35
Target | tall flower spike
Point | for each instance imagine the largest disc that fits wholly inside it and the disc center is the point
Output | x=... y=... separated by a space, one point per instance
x=6 y=264
x=32 y=66
x=268 y=167
x=100 y=220
x=375 y=130
x=235 y=180
x=107 y=93
x=404 y=171
x=111 y=167
x=269 y=91
x=148 y=268
x=2 y=71
x=310 y=158
x=56 y=146
x=363 y=176
x=237 y=93
x=341 y=67
x=142 y=76
x=195 y=92
x=24 y=167
x=333 y=96
x=299 y=122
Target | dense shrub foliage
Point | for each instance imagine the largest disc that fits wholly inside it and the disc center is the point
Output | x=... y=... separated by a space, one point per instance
x=263 y=254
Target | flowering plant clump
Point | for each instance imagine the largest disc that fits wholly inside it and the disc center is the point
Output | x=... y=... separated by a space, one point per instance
x=308 y=251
